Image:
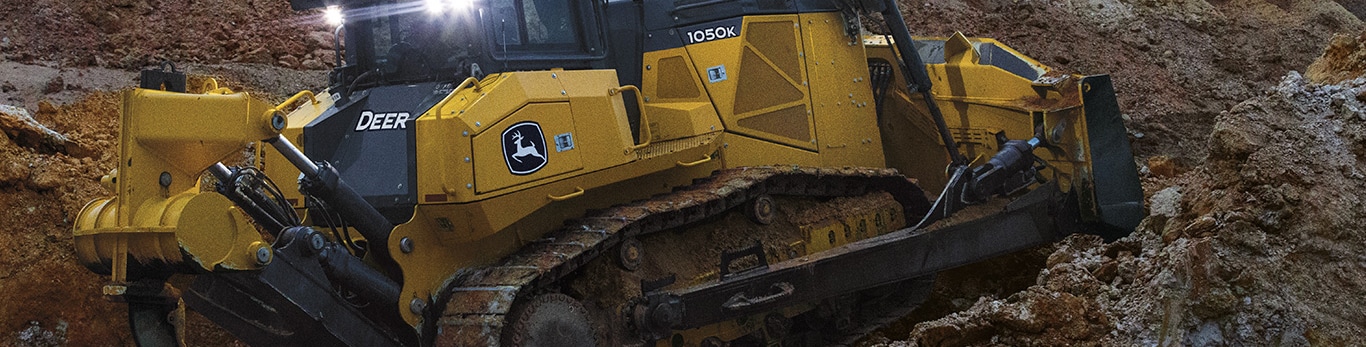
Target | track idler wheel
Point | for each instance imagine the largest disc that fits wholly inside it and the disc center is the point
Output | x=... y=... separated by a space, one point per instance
x=760 y=210
x=630 y=254
x=550 y=320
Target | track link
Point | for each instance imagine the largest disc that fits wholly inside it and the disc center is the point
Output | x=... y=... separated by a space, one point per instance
x=478 y=300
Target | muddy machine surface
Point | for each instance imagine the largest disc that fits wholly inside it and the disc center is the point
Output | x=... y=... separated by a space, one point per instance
x=566 y=172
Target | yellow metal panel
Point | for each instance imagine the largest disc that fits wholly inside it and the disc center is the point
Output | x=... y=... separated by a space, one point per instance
x=677 y=79
x=216 y=234
x=676 y=104
x=515 y=89
x=764 y=74
x=603 y=132
x=445 y=160
x=444 y=134
x=492 y=171
x=740 y=150
x=841 y=95
x=672 y=120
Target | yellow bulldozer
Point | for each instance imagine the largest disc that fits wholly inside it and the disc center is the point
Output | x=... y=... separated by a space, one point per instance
x=618 y=172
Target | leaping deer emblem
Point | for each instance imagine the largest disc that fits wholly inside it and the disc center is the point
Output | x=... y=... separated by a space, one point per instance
x=522 y=152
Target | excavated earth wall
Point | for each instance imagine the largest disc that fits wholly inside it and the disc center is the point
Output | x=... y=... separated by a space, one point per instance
x=1261 y=245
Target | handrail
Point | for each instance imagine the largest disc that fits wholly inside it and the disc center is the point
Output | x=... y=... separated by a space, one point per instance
x=210 y=86
x=577 y=192
x=704 y=160
x=274 y=114
x=466 y=83
x=292 y=100
x=645 y=132
x=207 y=82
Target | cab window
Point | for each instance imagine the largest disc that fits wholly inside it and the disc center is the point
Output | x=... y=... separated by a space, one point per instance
x=538 y=26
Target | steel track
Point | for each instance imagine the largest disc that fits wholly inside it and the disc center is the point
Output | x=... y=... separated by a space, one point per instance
x=478 y=300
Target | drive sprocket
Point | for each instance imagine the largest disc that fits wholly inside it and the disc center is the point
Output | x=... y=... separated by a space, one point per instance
x=551 y=319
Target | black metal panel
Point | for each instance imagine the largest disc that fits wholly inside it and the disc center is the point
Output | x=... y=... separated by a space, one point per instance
x=661 y=39
x=166 y=77
x=1119 y=197
x=996 y=56
x=932 y=52
x=902 y=255
x=380 y=164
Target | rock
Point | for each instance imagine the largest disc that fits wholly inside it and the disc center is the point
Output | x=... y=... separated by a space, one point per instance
x=1166 y=202
x=289 y=61
x=20 y=126
x=1231 y=142
x=314 y=64
x=1162 y=166
x=56 y=84
x=321 y=39
x=36 y=336
x=1203 y=225
x=45 y=176
x=14 y=170
x=326 y=56
x=7 y=87
x=258 y=56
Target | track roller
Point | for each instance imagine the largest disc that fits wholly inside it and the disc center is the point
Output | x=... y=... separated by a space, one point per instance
x=760 y=210
x=630 y=253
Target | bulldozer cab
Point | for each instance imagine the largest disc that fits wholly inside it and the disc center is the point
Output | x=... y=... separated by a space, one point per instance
x=399 y=42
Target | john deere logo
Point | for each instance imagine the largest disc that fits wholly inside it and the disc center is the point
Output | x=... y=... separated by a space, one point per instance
x=524 y=148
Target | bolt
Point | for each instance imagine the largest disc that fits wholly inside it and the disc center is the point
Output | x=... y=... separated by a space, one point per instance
x=316 y=241
x=263 y=255
x=464 y=133
x=647 y=67
x=469 y=185
x=562 y=92
x=417 y=305
x=552 y=75
x=165 y=179
x=406 y=245
x=478 y=124
x=467 y=159
x=277 y=122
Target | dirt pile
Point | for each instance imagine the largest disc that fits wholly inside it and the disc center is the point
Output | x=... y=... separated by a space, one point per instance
x=49 y=297
x=136 y=33
x=1261 y=245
